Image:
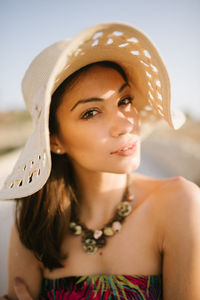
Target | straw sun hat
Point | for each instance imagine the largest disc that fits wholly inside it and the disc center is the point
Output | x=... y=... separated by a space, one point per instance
x=116 y=42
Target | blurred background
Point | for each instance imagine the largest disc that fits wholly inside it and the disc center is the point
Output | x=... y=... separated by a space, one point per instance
x=26 y=27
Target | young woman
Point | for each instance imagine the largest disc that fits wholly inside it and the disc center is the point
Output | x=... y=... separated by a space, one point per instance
x=87 y=226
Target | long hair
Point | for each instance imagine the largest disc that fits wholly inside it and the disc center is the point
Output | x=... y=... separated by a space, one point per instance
x=42 y=219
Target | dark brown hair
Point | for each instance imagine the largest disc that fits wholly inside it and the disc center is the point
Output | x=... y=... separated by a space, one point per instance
x=42 y=218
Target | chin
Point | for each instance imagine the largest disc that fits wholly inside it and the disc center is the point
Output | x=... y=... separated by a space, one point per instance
x=125 y=168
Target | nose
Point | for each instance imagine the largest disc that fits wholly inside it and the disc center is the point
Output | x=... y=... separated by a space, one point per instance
x=121 y=124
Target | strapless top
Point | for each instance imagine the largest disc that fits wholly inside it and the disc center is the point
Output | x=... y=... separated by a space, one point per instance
x=103 y=287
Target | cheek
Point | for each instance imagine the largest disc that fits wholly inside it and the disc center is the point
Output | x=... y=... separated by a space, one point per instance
x=84 y=138
x=87 y=147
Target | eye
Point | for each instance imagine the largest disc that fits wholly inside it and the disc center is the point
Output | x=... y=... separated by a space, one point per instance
x=126 y=100
x=90 y=113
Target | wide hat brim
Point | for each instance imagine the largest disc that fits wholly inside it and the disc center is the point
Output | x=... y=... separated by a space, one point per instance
x=117 y=42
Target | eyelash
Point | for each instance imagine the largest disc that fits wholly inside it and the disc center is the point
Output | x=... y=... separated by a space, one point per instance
x=129 y=98
x=87 y=116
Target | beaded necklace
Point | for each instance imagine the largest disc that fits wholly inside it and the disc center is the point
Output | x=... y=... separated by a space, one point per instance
x=92 y=240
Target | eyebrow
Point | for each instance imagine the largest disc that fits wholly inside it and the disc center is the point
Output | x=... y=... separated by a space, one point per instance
x=93 y=99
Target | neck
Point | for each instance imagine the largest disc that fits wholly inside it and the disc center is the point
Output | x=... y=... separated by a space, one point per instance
x=98 y=196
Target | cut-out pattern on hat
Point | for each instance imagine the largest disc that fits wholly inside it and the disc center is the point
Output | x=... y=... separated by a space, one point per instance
x=154 y=68
x=123 y=45
x=159 y=96
x=97 y=35
x=110 y=41
x=95 y=43
x=117 y=33
x=147 y=54
x=148 y=74
x=144 y=63
x=158 y=83
x=133 y=39
x=150 y=85
x=33 y=175
x=150 y=94
x=135 y=52
x=29 y=172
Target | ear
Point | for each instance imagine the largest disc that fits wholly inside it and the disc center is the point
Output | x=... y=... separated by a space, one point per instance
x=55 y=145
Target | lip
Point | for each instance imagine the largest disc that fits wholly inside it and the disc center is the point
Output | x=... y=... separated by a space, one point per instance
x=127 y=149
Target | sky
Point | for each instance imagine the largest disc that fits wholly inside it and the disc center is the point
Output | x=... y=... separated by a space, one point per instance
x=28 y=26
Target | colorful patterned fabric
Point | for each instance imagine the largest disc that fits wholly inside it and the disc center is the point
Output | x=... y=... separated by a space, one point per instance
x=103 y=287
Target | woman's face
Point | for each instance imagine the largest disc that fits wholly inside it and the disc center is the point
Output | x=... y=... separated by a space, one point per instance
x=98 y=124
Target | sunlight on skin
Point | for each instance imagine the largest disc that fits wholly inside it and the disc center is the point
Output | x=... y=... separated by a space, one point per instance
x=108 y=94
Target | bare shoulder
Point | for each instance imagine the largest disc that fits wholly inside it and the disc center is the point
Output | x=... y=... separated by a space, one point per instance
x=22 y=263
x=177 y=206
x=177 y=209
x=144 y=186
x=177 y=192
x=180 y=184
x=167 y=192
x=174 y=202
